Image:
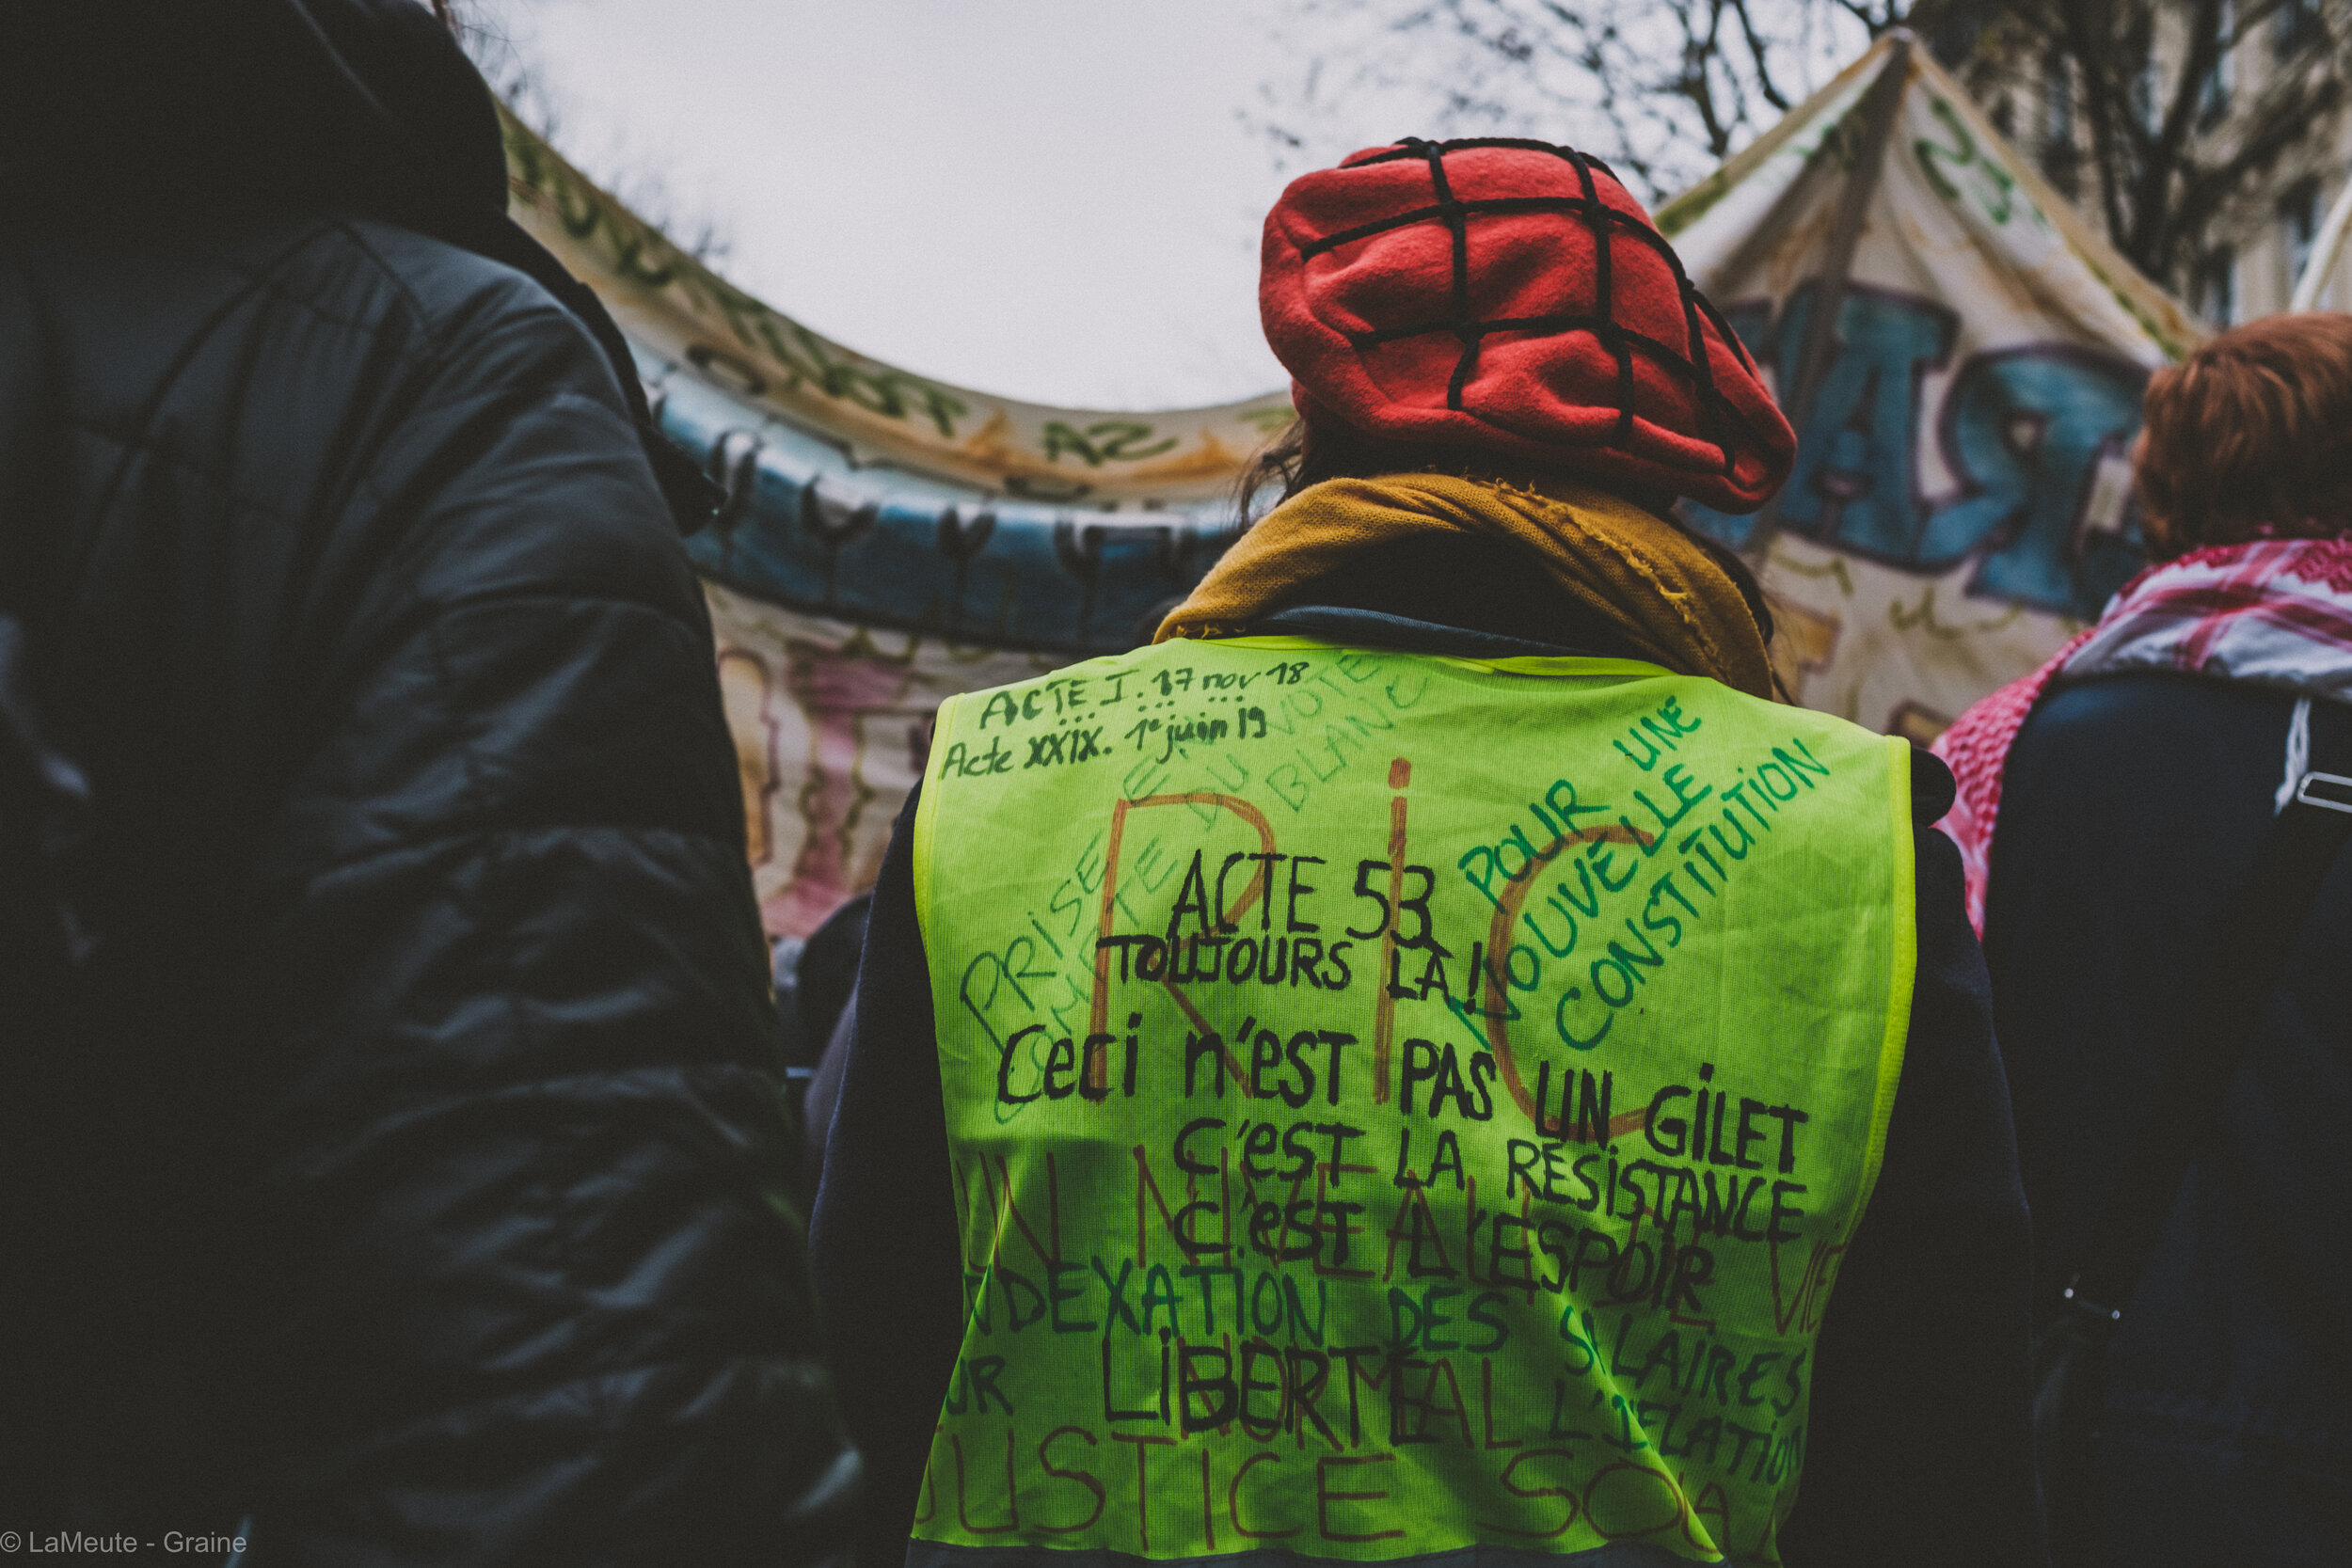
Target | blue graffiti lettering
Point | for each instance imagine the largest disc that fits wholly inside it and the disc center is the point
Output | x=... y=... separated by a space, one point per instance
x=1856 y=482
x=2022 y=430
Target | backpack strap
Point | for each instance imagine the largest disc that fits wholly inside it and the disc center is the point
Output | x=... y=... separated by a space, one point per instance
x=24 y=421
x=2256 y=934
x=45 y=804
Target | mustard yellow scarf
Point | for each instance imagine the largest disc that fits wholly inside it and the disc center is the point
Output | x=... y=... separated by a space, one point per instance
x=1661 y=592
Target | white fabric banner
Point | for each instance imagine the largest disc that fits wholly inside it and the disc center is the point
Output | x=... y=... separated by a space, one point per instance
x=1961 y=498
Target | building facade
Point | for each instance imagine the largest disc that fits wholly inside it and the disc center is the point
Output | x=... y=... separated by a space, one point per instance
x=2268 y=139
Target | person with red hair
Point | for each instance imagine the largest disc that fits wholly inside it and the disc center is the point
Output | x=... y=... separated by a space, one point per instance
x=2112 y=809
x=1461 y=774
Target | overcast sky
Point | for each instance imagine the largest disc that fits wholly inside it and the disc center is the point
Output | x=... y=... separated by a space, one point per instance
x=1053 y=200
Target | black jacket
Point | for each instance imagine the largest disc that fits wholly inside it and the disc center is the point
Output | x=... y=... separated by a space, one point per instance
x=2131 y=809
x=1917 y=1448
x=405 y=1170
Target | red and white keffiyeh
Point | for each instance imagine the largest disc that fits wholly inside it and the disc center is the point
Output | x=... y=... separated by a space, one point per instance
x=2275 y=612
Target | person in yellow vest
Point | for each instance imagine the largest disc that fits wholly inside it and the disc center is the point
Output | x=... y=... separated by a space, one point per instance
x=1430 y=1056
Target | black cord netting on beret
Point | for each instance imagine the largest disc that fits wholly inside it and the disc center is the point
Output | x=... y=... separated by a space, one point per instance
x=1601 y=220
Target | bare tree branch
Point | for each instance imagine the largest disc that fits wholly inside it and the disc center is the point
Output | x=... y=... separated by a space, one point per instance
x=1663 y=89
x=1757 y=49
x=2167 y=171
x=1667 y=89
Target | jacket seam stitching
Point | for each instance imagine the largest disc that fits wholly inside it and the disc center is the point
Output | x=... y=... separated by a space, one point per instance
x=321 y=871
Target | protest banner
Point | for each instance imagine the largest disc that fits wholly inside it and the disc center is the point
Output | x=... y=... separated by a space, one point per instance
x=1961 y=498
x=1961 y=501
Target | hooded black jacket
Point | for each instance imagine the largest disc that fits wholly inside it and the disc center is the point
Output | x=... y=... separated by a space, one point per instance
x=404 y=1169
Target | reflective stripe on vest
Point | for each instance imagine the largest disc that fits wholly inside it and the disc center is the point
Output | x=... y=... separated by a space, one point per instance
x=1400 y=1103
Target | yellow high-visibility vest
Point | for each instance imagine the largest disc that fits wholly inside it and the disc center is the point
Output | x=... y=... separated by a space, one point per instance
x=1399 y=1103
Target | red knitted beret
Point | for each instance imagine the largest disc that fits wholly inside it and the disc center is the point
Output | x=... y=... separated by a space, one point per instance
x=1510 y=295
